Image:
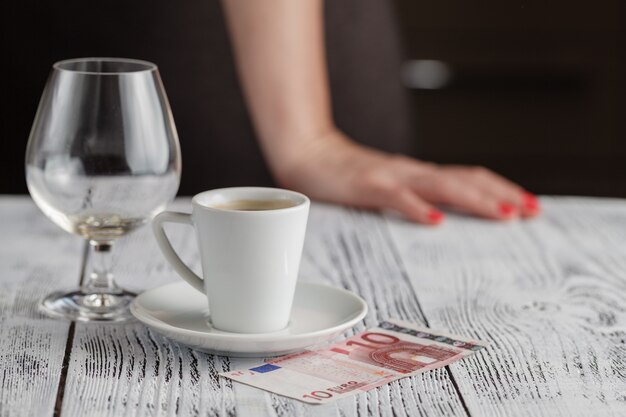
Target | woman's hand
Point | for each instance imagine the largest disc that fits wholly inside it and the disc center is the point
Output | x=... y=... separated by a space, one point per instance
x=335 y=169
x=279 y=48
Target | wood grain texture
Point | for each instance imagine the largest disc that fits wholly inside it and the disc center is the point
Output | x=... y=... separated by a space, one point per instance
x=550 y=296
x=119 y=370
x=36 y=258
x=130 y=370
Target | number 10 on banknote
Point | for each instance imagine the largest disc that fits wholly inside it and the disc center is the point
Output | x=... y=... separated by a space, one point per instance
x=367 y=360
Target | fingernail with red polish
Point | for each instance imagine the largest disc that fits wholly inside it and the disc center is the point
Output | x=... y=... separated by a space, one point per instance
x=435 y=216
x=531 y=202
x=507 y=209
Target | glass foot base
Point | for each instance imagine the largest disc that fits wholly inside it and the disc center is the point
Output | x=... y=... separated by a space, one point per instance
x=91 y=307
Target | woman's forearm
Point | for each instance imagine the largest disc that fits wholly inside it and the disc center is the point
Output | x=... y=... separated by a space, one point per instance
x=280 y=54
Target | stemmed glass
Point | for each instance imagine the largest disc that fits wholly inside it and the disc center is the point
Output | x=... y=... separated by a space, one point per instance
x=103 y=158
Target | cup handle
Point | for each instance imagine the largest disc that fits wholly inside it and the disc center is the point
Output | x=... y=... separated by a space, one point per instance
x=169 y=252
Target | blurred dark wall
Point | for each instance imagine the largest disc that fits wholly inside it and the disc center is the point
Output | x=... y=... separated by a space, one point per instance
x=536 y=89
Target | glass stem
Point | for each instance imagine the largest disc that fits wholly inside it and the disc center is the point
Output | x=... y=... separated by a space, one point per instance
x=100 y=279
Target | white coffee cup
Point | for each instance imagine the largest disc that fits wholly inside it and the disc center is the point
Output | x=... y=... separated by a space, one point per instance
x=250 y=257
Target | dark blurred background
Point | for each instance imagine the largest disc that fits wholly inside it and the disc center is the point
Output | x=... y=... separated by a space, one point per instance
x=538 y=91
x=532 y=89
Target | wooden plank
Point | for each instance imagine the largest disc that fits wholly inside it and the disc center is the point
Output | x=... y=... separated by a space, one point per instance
x=36 y=258
x=550 y=296
x=129 y=370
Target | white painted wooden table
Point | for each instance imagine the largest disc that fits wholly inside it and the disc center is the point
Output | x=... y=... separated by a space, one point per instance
x=549 y=294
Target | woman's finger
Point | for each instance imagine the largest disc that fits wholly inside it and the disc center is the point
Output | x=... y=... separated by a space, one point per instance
x=463 y=192
x=412 y=206
x=401 y=198
x=504 y=190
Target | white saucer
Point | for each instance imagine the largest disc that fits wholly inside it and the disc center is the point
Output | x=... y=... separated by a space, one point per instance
x=319 y=313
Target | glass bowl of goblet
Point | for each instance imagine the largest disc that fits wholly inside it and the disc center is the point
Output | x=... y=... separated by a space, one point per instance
x=103 y=158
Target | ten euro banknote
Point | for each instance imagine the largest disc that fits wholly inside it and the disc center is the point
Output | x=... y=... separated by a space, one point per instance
x=367 y=360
